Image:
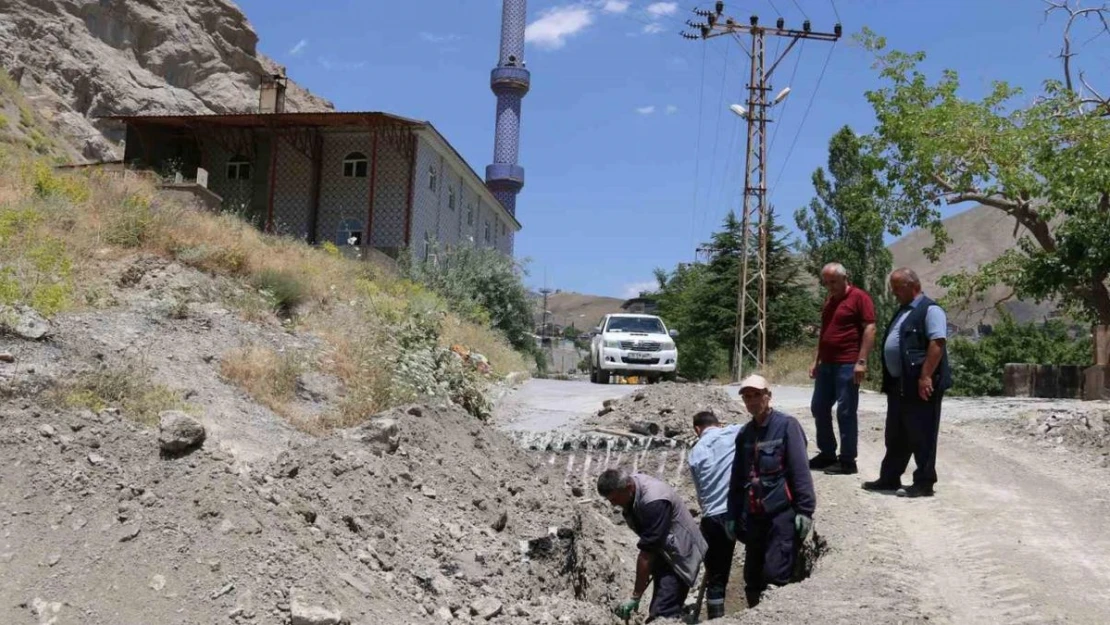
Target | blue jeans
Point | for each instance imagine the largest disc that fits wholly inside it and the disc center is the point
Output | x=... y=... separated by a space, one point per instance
x=835 y=383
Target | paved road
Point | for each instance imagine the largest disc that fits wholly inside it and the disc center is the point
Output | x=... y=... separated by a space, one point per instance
x=553 y=405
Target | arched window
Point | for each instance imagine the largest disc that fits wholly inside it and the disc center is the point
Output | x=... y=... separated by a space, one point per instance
x=238 y=168
x=433 y=179
x=470 y=214
x=451 y=198
x=349 y=233
x=354 y=165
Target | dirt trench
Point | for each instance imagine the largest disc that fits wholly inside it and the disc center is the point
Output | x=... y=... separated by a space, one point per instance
x=1017 y=532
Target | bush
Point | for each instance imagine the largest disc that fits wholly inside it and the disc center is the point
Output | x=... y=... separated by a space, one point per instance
x=128 y=389
x=978 y=367
x=284 y=290
x=481 y=285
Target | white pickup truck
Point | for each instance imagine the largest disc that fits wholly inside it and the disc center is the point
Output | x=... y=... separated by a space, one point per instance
x=632 y=345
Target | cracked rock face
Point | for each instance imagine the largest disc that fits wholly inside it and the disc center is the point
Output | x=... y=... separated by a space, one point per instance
x=77 y=61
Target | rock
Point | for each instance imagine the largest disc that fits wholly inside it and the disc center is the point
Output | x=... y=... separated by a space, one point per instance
x=6 y=357
x=444 y=613
x=416 y=411
x=95 y=459
x=313 y=615
x=485 y=608
x=47 y=430
x=129 y=533
x=178 y=431
x=24 y=322
x=54 y=559
x=427 y=491
x=502 y=520
x=381 y=435
x=158 y=582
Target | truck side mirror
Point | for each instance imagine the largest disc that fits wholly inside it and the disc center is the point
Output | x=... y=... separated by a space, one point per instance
x=673 y=333
x=595 y=331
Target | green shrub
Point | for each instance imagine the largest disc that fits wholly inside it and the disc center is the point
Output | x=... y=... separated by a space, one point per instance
x=130 y=225
x=481 y=285
x=978 y=366
x=283 y=289
x=127 y=389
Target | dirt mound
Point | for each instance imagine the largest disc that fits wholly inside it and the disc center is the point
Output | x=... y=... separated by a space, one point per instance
x=1080 y=429
x=420 y=515
x=667 y=410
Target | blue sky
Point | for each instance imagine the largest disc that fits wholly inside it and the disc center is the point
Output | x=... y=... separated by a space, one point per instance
x=619 y=178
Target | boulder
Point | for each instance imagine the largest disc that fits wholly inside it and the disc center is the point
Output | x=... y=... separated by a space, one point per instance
x=303 y=614
x=24 y=322
x=179 y=432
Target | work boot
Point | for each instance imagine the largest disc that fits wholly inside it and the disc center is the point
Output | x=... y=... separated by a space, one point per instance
x=881 y=486
x=843 y=467
x=821 y=461
x=714 y=611
x=915 y=490
x=752 y=597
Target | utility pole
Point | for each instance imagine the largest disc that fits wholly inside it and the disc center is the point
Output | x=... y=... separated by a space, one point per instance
x=755 y=220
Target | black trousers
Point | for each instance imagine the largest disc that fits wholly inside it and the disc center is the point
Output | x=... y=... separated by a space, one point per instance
x=718 y=562
x=771 y=550
x=912 y=426
x=668 y=593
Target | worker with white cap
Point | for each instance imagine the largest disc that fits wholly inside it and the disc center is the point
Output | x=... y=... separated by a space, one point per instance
x=771 y=498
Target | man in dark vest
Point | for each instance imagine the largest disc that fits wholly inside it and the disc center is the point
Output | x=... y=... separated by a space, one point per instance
x=771 y=498
x=671 y=545
x=915 y=376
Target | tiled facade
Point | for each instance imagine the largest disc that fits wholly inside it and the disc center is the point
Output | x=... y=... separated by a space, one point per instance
x=454 y=209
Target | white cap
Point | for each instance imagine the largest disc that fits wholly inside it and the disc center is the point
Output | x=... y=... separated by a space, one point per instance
x=756 y=382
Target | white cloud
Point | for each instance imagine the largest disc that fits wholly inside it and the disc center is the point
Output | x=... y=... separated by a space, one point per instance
x=634 y=289
x=615 y=6
x=297 y=49
x=329 y=65
x=553 y=27
x=434 y=38
x=653 y=29
x=646 y=110
x=671 y=109
x=659 y=9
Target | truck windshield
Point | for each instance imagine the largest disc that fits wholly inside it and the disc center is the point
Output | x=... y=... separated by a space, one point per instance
x=647 y=325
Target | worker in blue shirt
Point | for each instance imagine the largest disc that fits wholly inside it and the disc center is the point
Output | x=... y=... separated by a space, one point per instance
x=915 y=376
x=711 y=467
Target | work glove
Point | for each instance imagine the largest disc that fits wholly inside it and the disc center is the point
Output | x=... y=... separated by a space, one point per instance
x=802 y=525
x=626 y=609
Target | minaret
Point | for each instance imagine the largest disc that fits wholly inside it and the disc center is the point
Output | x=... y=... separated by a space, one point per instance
x=509 y=81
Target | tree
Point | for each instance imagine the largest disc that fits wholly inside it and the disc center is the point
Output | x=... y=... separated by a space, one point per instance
x=1045 y=164
x=844 y=222
x=700 y=299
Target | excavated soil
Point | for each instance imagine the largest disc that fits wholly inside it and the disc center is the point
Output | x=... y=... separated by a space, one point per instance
x=667 y=410
x=420 y=514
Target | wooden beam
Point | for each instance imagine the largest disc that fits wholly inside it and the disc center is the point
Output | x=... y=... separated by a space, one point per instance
x=369 y=230
x=274 y=147
x=317 y=168
x=412 y=188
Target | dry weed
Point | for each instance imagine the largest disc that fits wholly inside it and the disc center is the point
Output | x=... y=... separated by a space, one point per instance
x=790 y=365
x=128 y=390
x=267 y=376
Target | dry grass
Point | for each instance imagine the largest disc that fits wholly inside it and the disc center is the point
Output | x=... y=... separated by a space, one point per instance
x=268 y=377
x=790 y=365
x=128 y=390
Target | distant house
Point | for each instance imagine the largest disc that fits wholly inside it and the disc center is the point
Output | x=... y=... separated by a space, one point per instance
x=350 y=178
x=640 y=306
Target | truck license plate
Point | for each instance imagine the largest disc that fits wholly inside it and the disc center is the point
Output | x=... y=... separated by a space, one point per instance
x=640 y=356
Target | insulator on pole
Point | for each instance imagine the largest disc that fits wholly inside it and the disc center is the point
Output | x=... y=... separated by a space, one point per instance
x=780 y=23
x=837 y=30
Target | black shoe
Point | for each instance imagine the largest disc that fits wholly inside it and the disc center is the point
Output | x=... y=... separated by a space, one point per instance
x=915 y=490
x=821 y=461
x=842 y=468
x=881 y=486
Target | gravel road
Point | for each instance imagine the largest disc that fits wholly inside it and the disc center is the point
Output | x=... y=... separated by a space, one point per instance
x=1016 y=534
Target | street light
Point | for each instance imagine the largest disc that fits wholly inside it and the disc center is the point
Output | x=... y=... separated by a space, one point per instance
x=781 y=96
x=739 y=110
x=742 y=112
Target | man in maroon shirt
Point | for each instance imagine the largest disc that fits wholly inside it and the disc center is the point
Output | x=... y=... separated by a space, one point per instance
x=847 y=335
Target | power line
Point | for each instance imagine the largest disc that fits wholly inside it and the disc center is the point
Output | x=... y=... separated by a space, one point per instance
x=798 y=132
x=717 y=134
x=786 y=104
x=800 y=9
x=837 y=13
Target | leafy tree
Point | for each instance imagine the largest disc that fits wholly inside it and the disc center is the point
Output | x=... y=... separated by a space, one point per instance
x=844 y=222
x=1045 y=164
x=978 y=367
x=480 y=284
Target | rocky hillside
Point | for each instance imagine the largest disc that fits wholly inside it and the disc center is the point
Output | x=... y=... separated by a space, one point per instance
x=77 y=61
